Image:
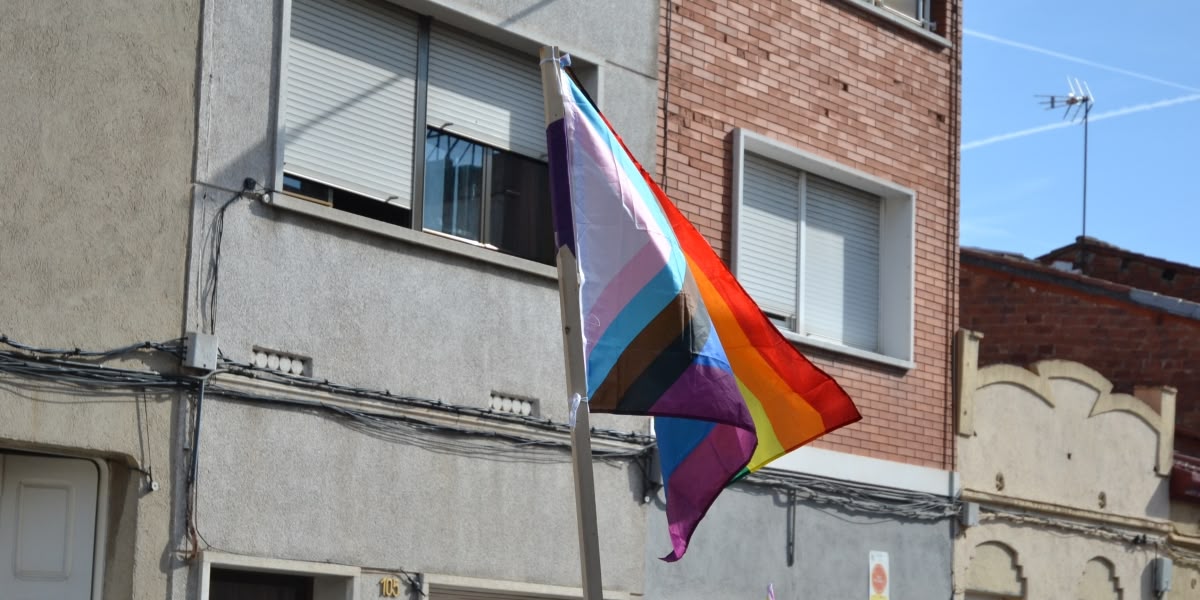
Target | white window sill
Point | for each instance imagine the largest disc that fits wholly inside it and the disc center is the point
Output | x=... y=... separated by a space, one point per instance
x=901 y=21
x=404 y=234
x=882 y=359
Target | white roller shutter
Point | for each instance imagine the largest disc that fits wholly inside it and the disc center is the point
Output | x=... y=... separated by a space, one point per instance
x=841 y=264
x=768 y=233
x=350 y=97
x=484 y=92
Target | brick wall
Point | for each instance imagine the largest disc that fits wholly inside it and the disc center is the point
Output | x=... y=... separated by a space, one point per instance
x=828 y=77
x=1132 y=269
x=1024 y=321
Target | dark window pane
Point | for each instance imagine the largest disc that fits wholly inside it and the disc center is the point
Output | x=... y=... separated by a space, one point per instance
x=227 y=584
x=304 y=187
x=453 y=185
x=519 y=215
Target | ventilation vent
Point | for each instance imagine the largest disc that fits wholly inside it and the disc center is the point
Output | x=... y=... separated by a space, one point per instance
x=513 y=404
x=281 y=362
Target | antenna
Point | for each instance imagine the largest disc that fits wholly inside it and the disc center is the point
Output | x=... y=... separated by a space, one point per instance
x=1079 y=99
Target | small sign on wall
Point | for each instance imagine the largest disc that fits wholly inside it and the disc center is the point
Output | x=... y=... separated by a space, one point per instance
x=880 y=579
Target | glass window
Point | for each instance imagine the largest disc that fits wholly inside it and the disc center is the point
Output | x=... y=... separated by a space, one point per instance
x=491 y=196
x=519 y=216
x=453 y=185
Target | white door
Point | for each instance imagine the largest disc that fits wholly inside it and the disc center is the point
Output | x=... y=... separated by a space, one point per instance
x=47 y=527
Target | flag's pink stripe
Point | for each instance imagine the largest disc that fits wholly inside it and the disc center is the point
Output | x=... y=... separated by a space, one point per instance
x=696 y=393
x=602 y=224
x=700 y=477
x=624 y=286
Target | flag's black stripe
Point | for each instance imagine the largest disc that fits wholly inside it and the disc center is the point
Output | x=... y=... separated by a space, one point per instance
x=656 y=358
x=671 y=363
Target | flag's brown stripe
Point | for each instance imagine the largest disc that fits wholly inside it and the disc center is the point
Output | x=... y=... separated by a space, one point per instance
x=656 y=358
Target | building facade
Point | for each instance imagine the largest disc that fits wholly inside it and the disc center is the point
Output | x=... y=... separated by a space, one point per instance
x=1115 y=311
x=815 y=144
x=1066 y=482
x=99 y=120
x=301 y=339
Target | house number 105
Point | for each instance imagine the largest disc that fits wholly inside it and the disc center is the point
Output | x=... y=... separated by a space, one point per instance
x=389 y=587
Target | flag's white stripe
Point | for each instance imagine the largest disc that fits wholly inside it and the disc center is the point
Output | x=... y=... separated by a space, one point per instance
x=608 y=234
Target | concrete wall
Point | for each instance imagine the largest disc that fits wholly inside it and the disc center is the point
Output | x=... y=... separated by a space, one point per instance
x=278 y=482
x=98 y=113
x=834 y=79
x=741 y=547
x=97 y=106
x=387 y=308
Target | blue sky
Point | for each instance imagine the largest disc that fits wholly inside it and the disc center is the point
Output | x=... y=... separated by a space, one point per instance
x=1022 y=189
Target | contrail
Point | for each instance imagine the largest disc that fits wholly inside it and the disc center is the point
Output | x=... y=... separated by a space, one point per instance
x=1120 y=112
x=1076 y=59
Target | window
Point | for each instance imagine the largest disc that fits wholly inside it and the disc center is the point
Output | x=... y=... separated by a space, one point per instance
x=242 y=577
x=826 y=251
x=914 y=10
x=229 y=584
x=402 y=119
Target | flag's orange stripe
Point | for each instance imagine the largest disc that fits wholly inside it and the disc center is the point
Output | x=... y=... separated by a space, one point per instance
x=792 y=419
x=801 y=401
x=818 y=390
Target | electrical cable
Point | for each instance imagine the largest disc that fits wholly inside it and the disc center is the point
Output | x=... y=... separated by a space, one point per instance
x=477 y=442
x=861 y=498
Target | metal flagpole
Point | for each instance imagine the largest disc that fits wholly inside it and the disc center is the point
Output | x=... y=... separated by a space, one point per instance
x=581 y=440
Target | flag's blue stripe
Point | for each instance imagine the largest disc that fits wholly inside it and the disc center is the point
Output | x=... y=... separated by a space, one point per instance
x=677 y=438
x=596 y=122
x=645 y=305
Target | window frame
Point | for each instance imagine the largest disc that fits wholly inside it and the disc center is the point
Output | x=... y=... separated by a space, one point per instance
x=588 y=69
x=929 y=29
x=334 y=579
x=897 y=245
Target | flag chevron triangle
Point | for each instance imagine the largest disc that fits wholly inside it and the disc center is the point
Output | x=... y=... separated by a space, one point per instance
x=667 y=329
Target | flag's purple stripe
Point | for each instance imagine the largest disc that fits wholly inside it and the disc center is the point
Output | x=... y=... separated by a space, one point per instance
x=705 y=381
x=560 y=186
x=625 y=285
x=702 y=475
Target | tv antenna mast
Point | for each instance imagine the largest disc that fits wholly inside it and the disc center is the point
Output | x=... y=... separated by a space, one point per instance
x=1078 y=100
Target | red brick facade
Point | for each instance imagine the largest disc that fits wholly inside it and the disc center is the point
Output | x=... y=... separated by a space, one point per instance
x=1029 y=312
x=1110 y=263
x=831 y=78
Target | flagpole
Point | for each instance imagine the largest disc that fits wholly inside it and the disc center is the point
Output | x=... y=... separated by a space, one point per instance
x=581 y=440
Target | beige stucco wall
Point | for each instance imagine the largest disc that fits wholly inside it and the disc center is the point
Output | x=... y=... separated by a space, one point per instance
x=1036 y=449
x=1049 y=563
x=97 y=112
x=1052 y=449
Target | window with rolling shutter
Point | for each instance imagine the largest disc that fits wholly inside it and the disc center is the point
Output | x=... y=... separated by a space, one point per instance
x=404 y=119
x=486 y=93
x=351 y=96
x=841 y=263
x=824 y=250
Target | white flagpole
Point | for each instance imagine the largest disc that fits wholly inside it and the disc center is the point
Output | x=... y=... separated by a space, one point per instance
x=572 y=323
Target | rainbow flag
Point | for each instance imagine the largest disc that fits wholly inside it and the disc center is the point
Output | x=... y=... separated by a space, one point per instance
x=668 y=331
